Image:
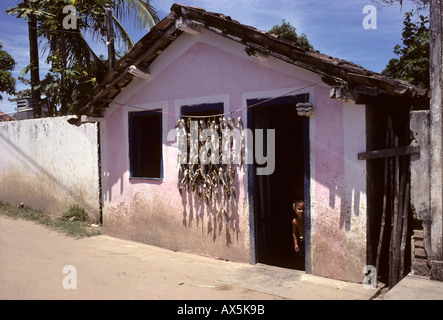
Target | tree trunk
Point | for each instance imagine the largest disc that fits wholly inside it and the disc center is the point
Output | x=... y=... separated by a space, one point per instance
x=35 y=77
x=63 y=89
x=110 y=36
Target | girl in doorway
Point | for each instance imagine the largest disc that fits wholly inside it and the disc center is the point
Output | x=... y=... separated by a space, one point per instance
x=298 y=226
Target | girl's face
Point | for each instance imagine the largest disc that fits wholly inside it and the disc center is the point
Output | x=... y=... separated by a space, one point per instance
x=299 y=208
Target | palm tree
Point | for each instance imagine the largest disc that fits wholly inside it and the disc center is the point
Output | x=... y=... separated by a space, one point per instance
x=68 y=49
x=34 y=65
x=72 y=49
x=28 y=10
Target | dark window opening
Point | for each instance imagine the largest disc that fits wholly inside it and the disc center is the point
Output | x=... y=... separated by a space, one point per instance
x=145 y=144
x=210 y=111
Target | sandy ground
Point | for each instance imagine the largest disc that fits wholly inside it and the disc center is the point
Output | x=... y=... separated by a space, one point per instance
x=33 y=259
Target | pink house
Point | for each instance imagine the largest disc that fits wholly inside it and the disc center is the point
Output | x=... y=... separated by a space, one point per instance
x=311 y=113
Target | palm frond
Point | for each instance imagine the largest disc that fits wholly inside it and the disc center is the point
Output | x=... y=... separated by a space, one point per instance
x=79 y=51
x=142 y=13
x=122 y=35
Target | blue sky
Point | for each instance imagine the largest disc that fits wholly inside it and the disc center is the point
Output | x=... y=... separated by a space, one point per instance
x=333 y=27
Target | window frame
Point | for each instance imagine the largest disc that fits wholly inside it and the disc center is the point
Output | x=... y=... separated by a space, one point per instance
x=198 y=110
x=132 y=143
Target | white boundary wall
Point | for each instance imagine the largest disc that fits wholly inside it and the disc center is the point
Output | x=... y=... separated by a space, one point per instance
x=50 y=164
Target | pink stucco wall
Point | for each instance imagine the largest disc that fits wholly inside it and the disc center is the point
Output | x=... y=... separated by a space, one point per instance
x=155 y=213
x=329 y=186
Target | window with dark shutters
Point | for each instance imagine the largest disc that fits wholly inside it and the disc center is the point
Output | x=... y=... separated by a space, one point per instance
x=145 y=144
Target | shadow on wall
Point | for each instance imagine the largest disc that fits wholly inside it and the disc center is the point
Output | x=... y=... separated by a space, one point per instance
x=338 y=172
x=220 y=209
x=340 y=192
x=48 y=192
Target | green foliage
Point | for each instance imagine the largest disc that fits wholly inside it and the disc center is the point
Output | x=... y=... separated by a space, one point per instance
x=413 y=62
x=75 y=213
x=78 y=81
x=288 y=32
x=76 y=69
x=22 y=93
x=7 y=64
x=76 y=227
x=26 y=8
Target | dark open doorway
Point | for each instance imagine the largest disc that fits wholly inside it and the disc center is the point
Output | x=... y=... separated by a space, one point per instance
x=272 y=195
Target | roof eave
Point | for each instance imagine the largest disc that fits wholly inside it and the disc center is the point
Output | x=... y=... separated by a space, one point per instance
x=334 y=72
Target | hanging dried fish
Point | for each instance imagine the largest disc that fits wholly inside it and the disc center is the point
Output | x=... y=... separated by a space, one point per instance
x=185 y=180
x=230 y=124
x=197 y=173
x=202 y=125
x=188 y=136
x=223 y=123
x=221 y=176
x=214 y=139
x=180 y=179
x=226 y=144
x=215 y=180
x=208 y=181
x=230 y=173
x=182 y=138
x=239 y=124
x=200 y=191
x=208 y=189
x=188 y=122
x=242 y=141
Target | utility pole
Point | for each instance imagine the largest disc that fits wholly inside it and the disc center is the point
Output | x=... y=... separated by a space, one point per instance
x=110 y=42
x=436 y=136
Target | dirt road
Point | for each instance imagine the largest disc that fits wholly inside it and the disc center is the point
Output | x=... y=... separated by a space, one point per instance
x=38 y=263
x=32 y=259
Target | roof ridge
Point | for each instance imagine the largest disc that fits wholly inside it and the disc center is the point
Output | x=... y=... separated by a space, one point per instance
x=334 y=71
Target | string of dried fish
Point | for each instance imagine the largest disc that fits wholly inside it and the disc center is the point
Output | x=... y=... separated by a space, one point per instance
x=216 y=179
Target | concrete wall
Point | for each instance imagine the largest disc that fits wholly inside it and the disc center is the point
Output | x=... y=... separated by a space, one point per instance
x=49 y=164
x=436 y=135
x=207 y=68
x=421 y=175
x=338 y=195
